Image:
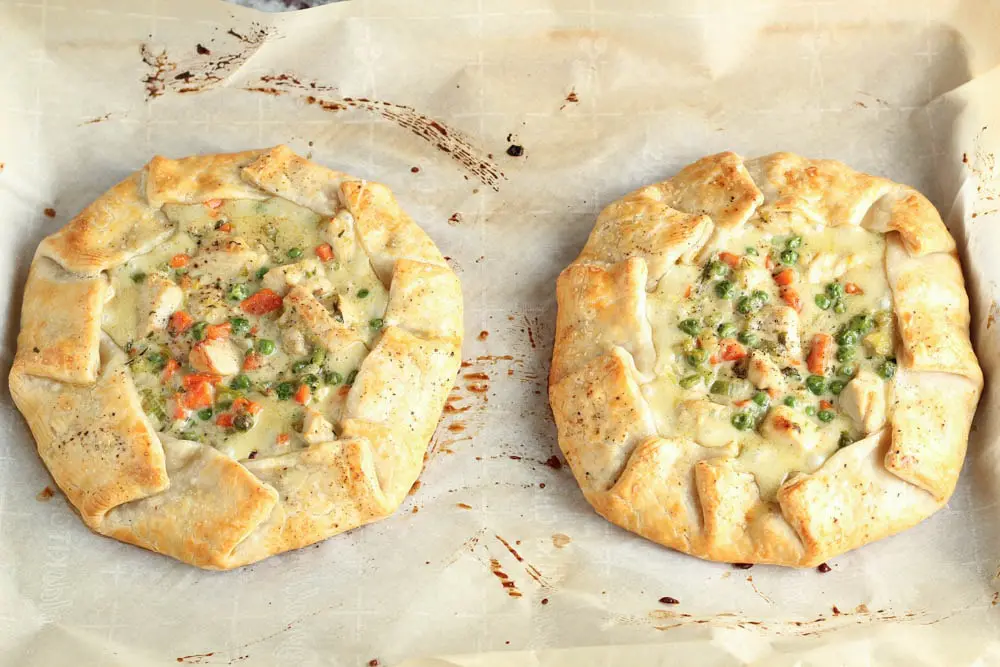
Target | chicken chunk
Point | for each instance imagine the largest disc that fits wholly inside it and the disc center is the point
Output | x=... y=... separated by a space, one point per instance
x=218 y=356
x=341 y=235
x=785 y=426
x=316 y=428
x=226 y=258
x=863 y=400
x=158 y=299
x=707 y=424
x=827 y=266
x=764 y=373
x=309 y=273
x=303 y=312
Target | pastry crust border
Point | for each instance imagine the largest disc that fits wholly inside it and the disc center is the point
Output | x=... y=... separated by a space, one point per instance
x=185 y=499
x=688 y=497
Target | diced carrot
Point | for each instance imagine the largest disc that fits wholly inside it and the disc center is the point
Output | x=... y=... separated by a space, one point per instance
x=254 y=408
x=768 y=262
x=324 y=251
x=179 y=323
x=784 y=278
x=740 y=404
x=253 y=330
x=687 y=292
x=179 y=411
x=771 y=391
x=213 y=203
x=302 y=394
x=225 y=227
x=194 y=379
x=819 y=353
x=243 y=404
x=213 y=331
x=713 y=360
x=283 y=438
x=252 y=361
x=852 y=288
x=730 y=259
x=732 y=350
x=225 y=420
x=199 y=396
x=179 y=261
x=825 y=405
x=171 y=368
x=262 y=302
x=791 y=297
x=344 y=391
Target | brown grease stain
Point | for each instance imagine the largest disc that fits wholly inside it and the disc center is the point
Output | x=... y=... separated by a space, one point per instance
x=97 y=119
x=195 y=659
x=505 y=581
x=45 y=495
x=456 y=428
x=49 y=212
x=571 y=98
x=455 y=218
x=463 y=506
x=483 y=335
x=560 y=540
x=416 y=487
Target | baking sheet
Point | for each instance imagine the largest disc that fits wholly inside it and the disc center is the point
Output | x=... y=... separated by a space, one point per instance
x=496 y=559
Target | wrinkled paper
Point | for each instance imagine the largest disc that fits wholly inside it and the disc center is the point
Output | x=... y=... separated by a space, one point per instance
x=503 y=126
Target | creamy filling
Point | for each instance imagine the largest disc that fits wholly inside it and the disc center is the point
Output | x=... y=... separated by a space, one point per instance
x=777 y=344
x=246 y=328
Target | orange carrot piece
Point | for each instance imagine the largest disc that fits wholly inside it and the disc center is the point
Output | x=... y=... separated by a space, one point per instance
x=732 y=350
x=225 y=420
x=283 y=438
x=262 y=302
x=179 y=261
x=252 y=361
x=213 y=331
x=819 y=353
x=213 y=203
x=825 y=405
x=324 y=251
x=730 y=259
x=784 y=278
x=791 y=297
x=169 y=370
x=179 y=323
x=193 y=379
x=852 y=288
x=199 y=396
x=302 y=394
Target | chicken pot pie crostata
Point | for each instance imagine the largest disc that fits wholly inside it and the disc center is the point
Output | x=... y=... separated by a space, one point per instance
x=765 y=361
x=230 y=356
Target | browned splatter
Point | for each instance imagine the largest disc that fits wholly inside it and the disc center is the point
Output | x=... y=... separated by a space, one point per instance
x=559 y=540
x=457 y=427
x=554 y=462
x=666 y=599
x=96 y=119
x=476 y=376
x=512 y=550
x=455 y=218
x=414 y=170
x=836 y=611
x=483 y=335
x=742 y=566
x=757 y=590
x=965 y=158
x=809 y=627
x=45 y=495
x=416 y=508
x=203 y=50
x=478 y=388
x=463 y=506
x=861 y=609
x=195 y=659
x=991 y=318
x=545 y=600
x=571 y=98
x=505 y=580
x=416 y=487
x=996 y=599
x=823 y=568
x=49 y=212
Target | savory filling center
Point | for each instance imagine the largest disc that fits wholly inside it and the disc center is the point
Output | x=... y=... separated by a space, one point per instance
x=778 y=345
x=246 y=328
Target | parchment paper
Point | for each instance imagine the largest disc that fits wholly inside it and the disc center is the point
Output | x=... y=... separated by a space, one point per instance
x=496 y=556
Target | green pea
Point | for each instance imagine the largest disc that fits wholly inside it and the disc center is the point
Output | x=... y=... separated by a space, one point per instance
x=847 y=338
x=265 y=346
x=789 y=257
x=689 y=381
x=284 y=390
x=716 y=269
x=138 y=277
x=750 y=250
x=727 y=330
x=825 y=416
x=836 y=386
x=243 y=422
x=845 y=440
x=835 y=290
x=761 y=296
x=791 y=401
x=318 y=356
x=725 y=289
x=845 y=354
x=238 y=292
x=300 y=366
x=261 y=272
x=862 y=323
x=810 y=410
x=721 y=387
x=690 y=327
x=156 y=360
x=351 y=377
x=748 y=338
x=240 y=382
x=816 y=384
x=332 y=377
x=205 y=414
x=762 y=399
x=696 y=357
x=742 y=421
x=239 y=325
x=295 y=253
x=887 y=369
x=745 y=305
x=198 y=330
x=847 y=370
x=794 y=243
x=376 y=323
x=362 y=293
x=823 y=302
x=839 y=307
x=311 y=381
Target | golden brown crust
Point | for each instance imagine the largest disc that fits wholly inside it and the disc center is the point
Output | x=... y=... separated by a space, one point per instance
x=119 y=225
x=187 y=500
x=60 y=324
x=701 y=500
x=600 y=309
x=94 y=438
